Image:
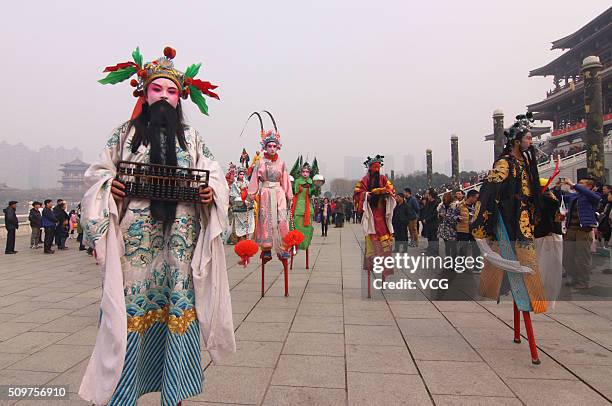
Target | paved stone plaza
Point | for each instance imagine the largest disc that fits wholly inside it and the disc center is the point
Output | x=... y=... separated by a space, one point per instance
x=323 y=345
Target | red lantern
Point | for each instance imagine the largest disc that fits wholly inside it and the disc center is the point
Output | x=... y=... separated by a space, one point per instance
x=245 y=249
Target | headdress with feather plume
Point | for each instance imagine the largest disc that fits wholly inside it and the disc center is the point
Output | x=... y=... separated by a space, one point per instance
x=266 y=136
x=162 y=67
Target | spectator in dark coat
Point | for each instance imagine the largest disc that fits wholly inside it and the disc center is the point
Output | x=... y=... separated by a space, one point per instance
x=429 y=218
x=12 y=224
x=35 y=218
x=61 y=229
x=49 y=223
x=400 y=220
x=413 y=215
x=326 y=215
x=580 y=221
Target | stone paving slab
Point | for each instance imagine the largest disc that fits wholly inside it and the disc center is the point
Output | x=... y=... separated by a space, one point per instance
x=323 y=345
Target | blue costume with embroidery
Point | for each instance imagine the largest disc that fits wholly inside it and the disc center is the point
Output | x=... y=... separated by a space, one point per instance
x=163 y=343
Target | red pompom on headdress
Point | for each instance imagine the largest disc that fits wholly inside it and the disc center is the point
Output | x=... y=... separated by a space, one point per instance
x=169 y=52
x=245 y=249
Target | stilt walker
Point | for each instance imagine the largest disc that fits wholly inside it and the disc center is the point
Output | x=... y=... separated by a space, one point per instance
x=509 y=207
x=243 y=220
x=270 y=186
x=373 y=198
x=302 y=213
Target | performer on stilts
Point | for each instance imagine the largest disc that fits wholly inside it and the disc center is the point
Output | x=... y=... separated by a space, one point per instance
x=165 y=281
x=302 y=212
x=244 y=158
x=373 y=198
x=243 y=218
x=270 y=186
x=509 y=207
x=229 y=235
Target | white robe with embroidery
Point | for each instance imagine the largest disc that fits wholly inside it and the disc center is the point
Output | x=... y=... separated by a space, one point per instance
x=101 y=220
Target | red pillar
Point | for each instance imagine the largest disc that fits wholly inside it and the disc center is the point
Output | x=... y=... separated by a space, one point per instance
x=531 y=337
x=517 y=324
x=263 y=267
x=286 y=271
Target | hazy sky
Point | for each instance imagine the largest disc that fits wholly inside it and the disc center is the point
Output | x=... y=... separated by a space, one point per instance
x=342 y=77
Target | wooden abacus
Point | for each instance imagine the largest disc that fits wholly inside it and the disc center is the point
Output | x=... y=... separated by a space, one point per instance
x=161 y=182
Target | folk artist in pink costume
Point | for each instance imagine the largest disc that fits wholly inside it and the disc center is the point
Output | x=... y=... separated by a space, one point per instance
x=270 y=185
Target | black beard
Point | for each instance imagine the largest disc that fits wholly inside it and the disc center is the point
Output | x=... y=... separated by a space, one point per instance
x=373 y=183
x=161 y=132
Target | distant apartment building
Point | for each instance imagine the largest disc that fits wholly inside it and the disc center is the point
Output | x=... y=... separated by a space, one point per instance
x=409 y=164
x=25 y=168
x=353 y=167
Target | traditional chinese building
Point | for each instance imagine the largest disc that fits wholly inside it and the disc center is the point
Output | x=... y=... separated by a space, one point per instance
x=73 y=175
x=564 y=104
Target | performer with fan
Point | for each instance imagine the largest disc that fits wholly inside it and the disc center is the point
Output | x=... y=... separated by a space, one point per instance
x=505 y=218
x=373 y=199
x=165 y=281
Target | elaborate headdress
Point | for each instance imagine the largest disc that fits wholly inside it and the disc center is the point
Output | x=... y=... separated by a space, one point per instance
x=162 y=67
x=271 y=136
x=266 y=136
x=306 y=165
x=522 y=124
x=369 y=161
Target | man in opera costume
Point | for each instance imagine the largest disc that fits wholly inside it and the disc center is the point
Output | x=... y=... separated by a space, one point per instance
x=165 y=284
x=373 y=197
x=506 y=217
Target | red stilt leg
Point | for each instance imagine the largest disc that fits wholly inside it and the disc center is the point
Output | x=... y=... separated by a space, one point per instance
x=263 y=283
x=307 y=258
x=292 y=255
x=517 y=325
x=286 y=270
x=179 y=403
x=531 y=337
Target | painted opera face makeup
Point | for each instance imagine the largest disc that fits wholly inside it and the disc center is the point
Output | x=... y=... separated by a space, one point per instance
x=165 y=89
x=240 y=176
x=526 y=142
x=375 y=167
x=305 y=173
x=271 y=148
